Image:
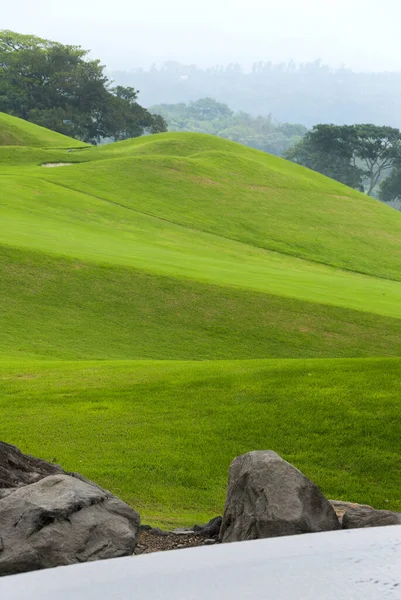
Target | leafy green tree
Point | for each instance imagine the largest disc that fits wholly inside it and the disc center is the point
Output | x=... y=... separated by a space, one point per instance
x=59 y=87
x=329 y=149
x=390 y=188
x=357 y=155
x=378 y=148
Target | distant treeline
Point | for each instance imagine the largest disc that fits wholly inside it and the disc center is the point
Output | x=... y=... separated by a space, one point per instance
x=208 y=116
x=297 y=93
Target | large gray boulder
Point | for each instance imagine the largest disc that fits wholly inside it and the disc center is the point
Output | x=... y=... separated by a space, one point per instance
x=268 y=497
x=59 y=519
x=366 y=516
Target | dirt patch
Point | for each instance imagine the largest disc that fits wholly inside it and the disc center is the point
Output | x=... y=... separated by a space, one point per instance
x=157 y=540
x=150 y=542
x=260 y=188
x=205 y=181
x=60 y=164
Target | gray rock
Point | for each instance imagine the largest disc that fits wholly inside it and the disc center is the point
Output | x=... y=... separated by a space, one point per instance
x=182 y=531
x=268 y=497
x=211 y=529
x=341 y=507
x=209 y=542
x=18 y=469
x=365 y=516
x=61 y=520
x=50 y=517
x=158 y=531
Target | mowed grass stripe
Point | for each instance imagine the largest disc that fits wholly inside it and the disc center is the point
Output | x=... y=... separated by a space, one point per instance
x=162 y=435
x=59 y=308
x=39 y=215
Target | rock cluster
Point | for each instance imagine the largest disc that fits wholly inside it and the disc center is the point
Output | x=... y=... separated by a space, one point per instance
x=268 y=497
x=49 y=517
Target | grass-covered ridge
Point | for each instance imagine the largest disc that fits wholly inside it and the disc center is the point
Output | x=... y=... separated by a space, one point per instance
x=162 y=434
x=17 y=132
x=220 y=187
x=69 y=309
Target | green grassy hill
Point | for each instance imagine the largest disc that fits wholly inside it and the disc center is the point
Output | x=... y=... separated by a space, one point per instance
x=17 y=132
x=186 y=247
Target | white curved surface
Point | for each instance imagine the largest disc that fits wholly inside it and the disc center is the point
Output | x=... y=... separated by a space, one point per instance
x=359 y=564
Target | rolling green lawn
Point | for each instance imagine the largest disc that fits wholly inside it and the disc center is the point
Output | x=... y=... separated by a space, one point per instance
x=70 y=309
x=217 y=187
x=162 y=434
x=16 y=132
x=169 y=302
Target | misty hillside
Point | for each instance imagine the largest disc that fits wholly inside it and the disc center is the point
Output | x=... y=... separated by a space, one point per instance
x=308 y=93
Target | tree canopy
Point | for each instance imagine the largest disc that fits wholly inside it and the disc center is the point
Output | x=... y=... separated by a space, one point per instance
x=59 y=87
x=357 y=155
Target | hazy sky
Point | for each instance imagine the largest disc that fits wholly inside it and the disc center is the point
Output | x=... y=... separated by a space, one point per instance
x=362 y=34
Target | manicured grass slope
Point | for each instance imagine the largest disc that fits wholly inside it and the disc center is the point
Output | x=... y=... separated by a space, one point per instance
x=17 y=132
x=186 y=247
x=59 y=308
x=162 y=434
x=35 y=215
x=212 y=185
x=220 y=187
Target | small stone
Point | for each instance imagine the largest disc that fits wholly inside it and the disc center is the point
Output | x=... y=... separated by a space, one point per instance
x=157 y=531
x=211 y=529
x=182 y=531
x=360 y=517
x=209 y=542
x=341 y=507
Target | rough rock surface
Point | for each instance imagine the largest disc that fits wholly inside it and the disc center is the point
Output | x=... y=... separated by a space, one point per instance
x=211 y=529
x=365 y=516
x=17 y=469
x=268 y=497
x=50 y=518
x=341 y=507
